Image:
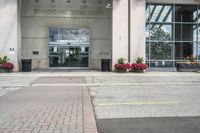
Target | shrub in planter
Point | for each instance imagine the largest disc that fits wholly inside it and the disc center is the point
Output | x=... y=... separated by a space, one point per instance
x=139 y=66
x=121 y=66
x=5 y=66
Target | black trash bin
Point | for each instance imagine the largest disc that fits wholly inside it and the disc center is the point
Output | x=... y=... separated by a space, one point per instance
x=26 y=65
x=105 y=65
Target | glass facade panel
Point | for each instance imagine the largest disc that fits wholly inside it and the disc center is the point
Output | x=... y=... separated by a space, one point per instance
x=185 y=49
x=69 y=47
x=161 y=32
x=172 y=33
x=186 y=13
x=161 y=63
x=147 y=32
x=185 y=32
x=53 y=35
x=161 y=51
x=160 y=13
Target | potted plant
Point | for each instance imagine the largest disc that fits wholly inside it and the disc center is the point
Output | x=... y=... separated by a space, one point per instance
x=5 y=66
x=121 y=66
x=139 y=66
x=188 y=65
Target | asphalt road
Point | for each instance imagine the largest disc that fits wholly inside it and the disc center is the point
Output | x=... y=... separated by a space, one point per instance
x=150 y=125
x=147 y=104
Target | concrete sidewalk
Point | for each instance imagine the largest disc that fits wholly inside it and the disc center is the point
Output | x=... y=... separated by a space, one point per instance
x=48 y=109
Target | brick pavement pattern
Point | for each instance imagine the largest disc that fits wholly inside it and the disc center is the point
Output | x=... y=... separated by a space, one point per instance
x=47 y=110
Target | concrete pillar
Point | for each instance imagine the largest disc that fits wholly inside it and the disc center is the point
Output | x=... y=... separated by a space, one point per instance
x=119 y=30
x=10 y=30
x=138 y=19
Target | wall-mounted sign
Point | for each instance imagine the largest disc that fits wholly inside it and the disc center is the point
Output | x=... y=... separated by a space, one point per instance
x=12 y=51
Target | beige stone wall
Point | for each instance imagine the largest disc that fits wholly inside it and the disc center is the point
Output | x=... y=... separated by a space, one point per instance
x=138 y=32
x=120 y=30
x=38 y=17
x=9 y=30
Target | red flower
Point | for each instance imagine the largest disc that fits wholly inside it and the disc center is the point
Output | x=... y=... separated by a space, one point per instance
x=122 y=66
x=141 y=66
x=7 y=65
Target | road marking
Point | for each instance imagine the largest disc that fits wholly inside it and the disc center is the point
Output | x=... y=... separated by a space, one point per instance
x=136 y=103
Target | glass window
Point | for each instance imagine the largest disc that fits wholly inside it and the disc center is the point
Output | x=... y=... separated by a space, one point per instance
x=147 y=50
x=53 y=35
x=161 y=32
x=186 y=13
x=185 y=49
x=172 y=34
x=161 y=63
x=147 y=12
x=198 y=52
x=186 y=32
x=160 y=13
x=147 y=32
x=161 y=51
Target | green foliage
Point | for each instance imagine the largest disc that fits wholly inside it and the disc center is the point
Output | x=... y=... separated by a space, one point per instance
x=3 y=59
x=121 y=60
x=160 y=50
x=139 y=60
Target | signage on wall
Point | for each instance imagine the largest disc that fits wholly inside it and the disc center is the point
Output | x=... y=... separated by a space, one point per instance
x=104 y=53
x=11 y=51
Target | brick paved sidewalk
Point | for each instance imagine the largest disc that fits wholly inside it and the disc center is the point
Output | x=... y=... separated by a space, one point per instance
x=47 y=110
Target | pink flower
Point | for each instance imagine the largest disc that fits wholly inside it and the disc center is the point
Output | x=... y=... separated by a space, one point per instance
x=141 y=66
x=7 y=65
x=122 y=66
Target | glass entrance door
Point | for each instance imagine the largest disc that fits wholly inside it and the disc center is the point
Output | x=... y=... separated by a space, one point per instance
x=69 y=53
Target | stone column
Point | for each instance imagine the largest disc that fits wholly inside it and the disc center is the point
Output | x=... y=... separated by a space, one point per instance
x=138 y=34
x=119 y=30
x=10 y=30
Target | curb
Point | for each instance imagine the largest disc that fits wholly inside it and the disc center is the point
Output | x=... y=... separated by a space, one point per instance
x=88 y=113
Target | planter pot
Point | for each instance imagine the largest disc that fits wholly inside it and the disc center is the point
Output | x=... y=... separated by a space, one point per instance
x=184 y=67
x=138 y=71
x=121 y=70
x=2 y=70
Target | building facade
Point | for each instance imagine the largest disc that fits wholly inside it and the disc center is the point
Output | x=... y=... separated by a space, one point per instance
x=77 y=34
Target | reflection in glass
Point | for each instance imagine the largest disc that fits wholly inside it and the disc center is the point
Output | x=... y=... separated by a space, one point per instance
x=186 y=13
x=185 y=49
x=147 y=32
x=185 y=32
x=66 y=35
x=161 y=51
x=54 y=50
x=69 y=47
x=161 y=63
x=161 y=32
x=54 y=61
x=198 y=52
x=53 y=35
x=160 y=13
x=147 y=51
x=147 y=11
